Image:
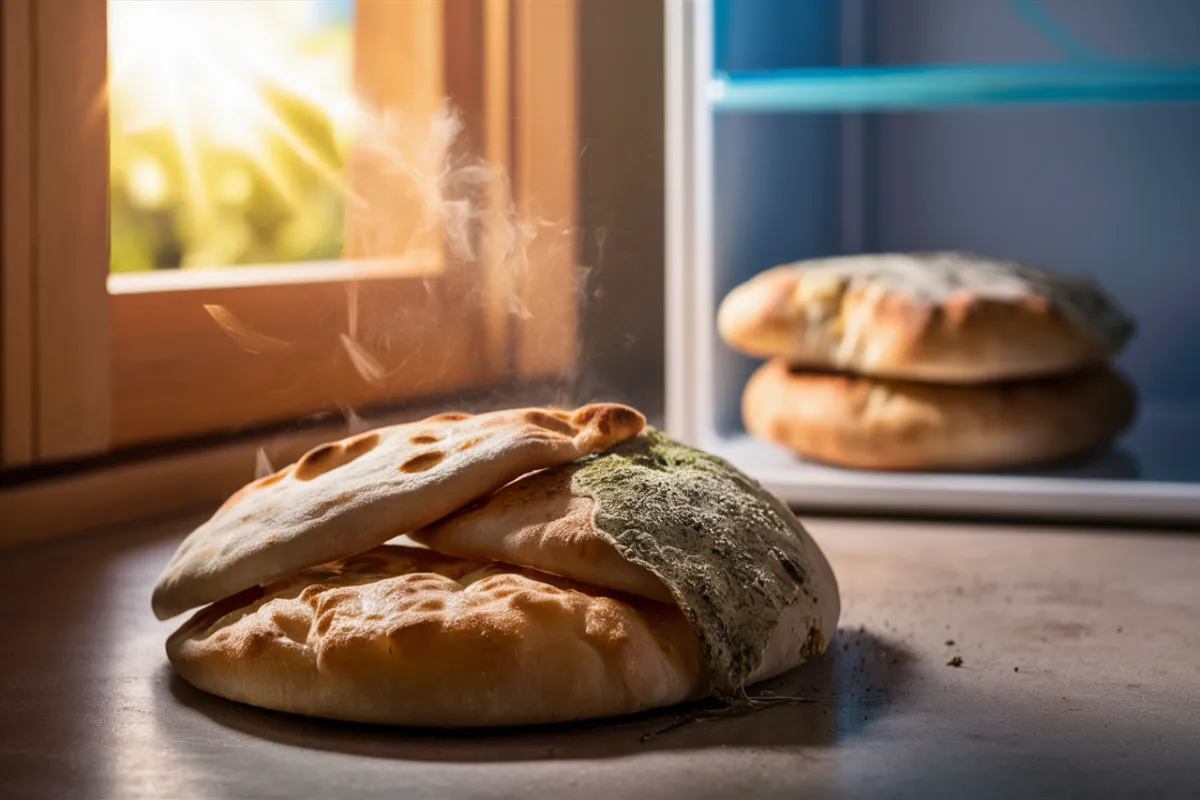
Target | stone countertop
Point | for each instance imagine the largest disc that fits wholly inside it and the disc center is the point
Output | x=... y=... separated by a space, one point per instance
x=1080 y=676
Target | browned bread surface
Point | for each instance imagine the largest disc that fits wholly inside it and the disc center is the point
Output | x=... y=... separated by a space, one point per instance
x=348 y=496
x=402 y=635
x=877 y=423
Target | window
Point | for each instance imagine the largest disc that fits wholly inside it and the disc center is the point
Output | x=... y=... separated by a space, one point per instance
x=420 y=262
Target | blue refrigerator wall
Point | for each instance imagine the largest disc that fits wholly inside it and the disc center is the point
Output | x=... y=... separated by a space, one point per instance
x=1111 y=191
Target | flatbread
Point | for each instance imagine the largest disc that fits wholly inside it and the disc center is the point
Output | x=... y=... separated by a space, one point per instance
x=942 y=317
x=401 y=635
x=655 y=518
x=346 y=497
x=877 y=423
x=539 y=522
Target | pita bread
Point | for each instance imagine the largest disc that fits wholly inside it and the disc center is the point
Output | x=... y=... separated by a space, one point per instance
x=346 y=497
x=941 y=317
x=400 y=635
x=718 y=547
x=538 y=522
x=413 y=636
x=876 y=423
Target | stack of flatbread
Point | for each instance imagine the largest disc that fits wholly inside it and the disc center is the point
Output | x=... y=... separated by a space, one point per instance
x=552 y=566
x=929 y=361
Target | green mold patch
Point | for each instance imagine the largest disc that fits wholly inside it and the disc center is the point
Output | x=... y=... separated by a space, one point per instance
x=728 y=550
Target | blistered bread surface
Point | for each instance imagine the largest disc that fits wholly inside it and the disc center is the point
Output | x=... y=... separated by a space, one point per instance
x=402 y=635
x=347 y=496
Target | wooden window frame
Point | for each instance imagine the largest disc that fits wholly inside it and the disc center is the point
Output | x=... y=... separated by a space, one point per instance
x=17 y=421
x=88 y=371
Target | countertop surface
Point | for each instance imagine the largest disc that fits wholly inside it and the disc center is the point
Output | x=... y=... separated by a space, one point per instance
x=1080 y=676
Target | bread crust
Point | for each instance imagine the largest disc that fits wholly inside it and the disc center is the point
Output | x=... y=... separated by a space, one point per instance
x=836 y=314
x=877 y=423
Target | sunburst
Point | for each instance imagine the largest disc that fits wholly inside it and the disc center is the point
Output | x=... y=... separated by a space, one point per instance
x=205 y=71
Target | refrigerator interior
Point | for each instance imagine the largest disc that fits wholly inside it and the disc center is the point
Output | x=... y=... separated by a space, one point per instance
x=1062 y=133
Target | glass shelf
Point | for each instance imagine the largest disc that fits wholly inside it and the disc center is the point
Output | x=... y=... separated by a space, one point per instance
x=848 y=89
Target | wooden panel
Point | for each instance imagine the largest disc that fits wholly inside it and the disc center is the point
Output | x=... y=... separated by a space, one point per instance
x=470 y=63
x=500 y=230
x=71 y=217
x=16 y=235
x=395 y=165
x=546 y=153
x=198 y=360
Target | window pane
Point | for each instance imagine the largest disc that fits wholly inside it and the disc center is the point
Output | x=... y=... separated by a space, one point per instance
x=231 y=125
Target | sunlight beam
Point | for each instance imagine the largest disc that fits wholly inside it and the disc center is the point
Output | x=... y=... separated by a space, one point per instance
x=202 y=71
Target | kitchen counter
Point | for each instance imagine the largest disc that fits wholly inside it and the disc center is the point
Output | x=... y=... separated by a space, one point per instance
x=1080 y=675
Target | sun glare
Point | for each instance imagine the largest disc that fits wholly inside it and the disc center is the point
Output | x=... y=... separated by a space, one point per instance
x=238 y=138
x=209 y=71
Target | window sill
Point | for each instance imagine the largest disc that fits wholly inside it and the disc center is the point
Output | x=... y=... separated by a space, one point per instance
x=420 y=265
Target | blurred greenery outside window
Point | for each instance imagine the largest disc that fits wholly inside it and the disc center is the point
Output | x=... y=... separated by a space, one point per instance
x=230 y=124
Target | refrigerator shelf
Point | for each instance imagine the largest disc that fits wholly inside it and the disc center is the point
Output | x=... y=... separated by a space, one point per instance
x=857 y=89
x=1150 y=475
